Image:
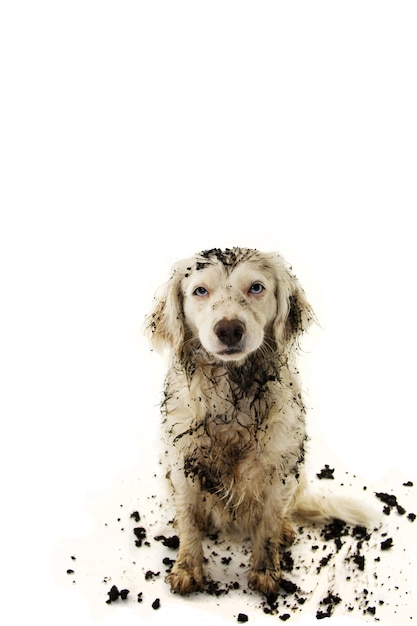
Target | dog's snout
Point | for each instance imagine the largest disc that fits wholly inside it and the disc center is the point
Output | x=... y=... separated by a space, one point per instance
x=229 y=332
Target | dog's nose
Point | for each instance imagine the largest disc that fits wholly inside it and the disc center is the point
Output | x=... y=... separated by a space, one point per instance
x=229 y=332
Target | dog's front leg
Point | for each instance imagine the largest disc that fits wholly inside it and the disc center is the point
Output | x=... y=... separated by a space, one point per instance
x=265 y=572
x=270 y=535
x=187 y=574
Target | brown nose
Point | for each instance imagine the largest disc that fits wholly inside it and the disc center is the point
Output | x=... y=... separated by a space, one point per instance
x=229 y=332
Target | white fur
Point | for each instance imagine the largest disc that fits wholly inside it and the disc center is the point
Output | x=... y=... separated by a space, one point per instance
x=234 y=419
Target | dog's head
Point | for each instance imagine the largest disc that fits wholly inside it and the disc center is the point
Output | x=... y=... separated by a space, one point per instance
x=232 y=301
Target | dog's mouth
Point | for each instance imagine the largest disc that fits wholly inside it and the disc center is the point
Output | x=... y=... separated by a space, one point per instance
x=230 y=352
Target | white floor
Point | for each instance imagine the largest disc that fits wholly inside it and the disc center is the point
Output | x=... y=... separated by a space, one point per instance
x=381 y=592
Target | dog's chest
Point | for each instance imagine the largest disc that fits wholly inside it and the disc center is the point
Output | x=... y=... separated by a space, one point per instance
x=232 y=413
x=219 y=430
x=225 y=446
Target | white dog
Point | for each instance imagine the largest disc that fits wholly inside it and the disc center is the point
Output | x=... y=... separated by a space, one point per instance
x=234 y=418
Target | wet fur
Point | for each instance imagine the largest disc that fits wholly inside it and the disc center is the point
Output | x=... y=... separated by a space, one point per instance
x=235 y=424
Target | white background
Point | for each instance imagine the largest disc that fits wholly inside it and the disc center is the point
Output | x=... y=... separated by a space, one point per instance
x=136 y=133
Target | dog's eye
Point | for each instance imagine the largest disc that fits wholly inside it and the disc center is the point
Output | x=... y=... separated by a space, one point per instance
x=201 y=292
x=256 y=289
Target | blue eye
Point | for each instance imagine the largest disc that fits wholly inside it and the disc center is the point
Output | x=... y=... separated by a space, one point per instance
x=256 y=289
x=201 y=292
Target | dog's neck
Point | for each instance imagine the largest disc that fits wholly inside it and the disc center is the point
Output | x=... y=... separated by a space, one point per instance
x=255 y=371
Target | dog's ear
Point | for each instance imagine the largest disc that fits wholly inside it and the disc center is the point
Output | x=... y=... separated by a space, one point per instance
x=294 y=313
x=164 y=326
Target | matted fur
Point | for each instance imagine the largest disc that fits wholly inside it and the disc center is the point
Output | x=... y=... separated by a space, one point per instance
x=234 y=418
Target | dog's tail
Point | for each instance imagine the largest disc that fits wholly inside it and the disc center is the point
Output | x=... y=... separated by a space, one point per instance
x=316 y=507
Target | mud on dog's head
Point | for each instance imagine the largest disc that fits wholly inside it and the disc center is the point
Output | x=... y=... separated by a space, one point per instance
x=231 y=301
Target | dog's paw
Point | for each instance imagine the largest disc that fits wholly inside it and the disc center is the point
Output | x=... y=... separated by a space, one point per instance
x=288 y=534
x=264 y=581
x=185 y=580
